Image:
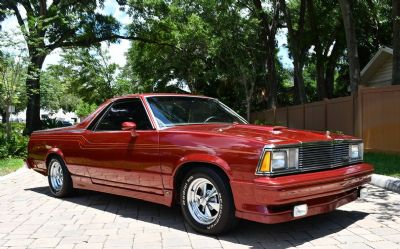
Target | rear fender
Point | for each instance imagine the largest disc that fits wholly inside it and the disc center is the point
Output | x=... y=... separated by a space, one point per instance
x=54 y=151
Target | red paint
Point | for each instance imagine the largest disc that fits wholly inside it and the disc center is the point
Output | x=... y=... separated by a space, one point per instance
x=143 y=164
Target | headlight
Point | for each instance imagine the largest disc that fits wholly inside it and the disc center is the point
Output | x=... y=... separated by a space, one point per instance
x=279 y=160
x=356 y=151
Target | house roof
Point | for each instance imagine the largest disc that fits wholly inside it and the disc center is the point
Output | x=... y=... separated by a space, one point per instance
x=374 y=64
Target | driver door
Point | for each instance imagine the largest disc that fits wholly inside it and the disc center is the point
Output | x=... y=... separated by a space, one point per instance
x=117 y=158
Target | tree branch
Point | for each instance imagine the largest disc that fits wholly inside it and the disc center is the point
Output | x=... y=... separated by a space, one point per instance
x=90 y=41
x=27 y=7
x=20 y=21
x=43 y=7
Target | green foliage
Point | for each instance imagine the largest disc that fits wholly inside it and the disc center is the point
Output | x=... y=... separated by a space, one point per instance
x=12 y=75
x=89 y=73
x=84 y=74
x=50 y=123
x=51 y=25
x=385 y=164
x=267 y=123
x=55 y=93
x=61 y=23
x=84 y=109
x=213 y=48
x=16 y=146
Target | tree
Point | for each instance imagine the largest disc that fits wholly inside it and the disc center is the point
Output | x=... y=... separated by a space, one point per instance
x=90 y=73
x=352 y=47
x=55 y=92
x=83 y=75
x=219 y=49
x=61 y=24
x=12 y=71
x=297 y=38
x=396 y=42
x=328 y=40
x=269 y=21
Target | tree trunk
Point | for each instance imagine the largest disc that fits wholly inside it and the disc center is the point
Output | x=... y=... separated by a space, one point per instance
x=248 y=95
x=396 y=42
x=268 y=28
x=3 y=117
x=8 y=124
x=248 y=108
x=33 y=93
x=330 y=79
x=272 y=79
x=321 y=85
x=300 y=91
x=331 y=67
x=295 y=46
x=352 y=48
x=320 y=60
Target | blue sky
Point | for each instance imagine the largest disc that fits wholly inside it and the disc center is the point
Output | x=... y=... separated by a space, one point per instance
x=118 y=50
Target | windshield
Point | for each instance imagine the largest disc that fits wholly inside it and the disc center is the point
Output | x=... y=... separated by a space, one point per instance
x=182 y=110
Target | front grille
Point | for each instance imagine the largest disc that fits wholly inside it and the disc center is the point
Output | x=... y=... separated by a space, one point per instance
x=323 y=155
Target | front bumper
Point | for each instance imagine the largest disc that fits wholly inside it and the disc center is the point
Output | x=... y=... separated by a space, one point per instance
x=271 y=199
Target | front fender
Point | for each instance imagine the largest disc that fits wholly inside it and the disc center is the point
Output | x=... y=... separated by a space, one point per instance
x=204 y=158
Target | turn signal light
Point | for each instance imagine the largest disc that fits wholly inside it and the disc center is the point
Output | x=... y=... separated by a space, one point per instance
x=266 y=162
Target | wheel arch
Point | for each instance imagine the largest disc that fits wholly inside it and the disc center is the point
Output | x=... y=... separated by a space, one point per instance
x=53 y=153
x=189 y=163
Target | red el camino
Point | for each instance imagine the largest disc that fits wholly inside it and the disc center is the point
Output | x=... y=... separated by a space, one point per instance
x=195 y=151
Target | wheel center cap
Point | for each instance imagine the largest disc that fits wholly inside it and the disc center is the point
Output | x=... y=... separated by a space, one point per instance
x=203 y=201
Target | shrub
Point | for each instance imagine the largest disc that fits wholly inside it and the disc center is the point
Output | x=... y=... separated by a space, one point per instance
x=264 y=122
x=16 y=145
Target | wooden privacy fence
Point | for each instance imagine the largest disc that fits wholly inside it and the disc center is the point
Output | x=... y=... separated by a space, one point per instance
x=373 y=115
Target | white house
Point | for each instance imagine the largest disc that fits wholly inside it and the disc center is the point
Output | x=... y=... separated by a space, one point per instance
x=378 y=71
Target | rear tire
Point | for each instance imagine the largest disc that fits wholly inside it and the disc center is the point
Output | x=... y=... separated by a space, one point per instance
x=207 y=202
x=60 y=182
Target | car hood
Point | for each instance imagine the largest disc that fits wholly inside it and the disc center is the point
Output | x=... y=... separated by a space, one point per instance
x=276 y=135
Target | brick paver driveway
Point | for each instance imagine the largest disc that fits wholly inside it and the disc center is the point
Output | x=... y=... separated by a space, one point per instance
x=30 y=217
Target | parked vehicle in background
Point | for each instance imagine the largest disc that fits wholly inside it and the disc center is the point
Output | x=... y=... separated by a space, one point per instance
x=195 y=151
x=50 y=123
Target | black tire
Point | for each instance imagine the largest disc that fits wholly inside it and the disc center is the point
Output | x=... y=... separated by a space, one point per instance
x=224 y=219
x=66 y=187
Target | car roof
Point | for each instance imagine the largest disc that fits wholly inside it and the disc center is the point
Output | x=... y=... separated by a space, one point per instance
x=85 y=123
x=144 y=95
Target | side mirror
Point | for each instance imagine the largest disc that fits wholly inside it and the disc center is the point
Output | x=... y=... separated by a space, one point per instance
x=129 y=126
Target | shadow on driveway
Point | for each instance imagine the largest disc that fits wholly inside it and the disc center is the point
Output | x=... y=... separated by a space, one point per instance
x=250 y=234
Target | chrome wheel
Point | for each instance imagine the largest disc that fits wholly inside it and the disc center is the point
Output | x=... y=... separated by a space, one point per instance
x=56 y=176
x=203 y=201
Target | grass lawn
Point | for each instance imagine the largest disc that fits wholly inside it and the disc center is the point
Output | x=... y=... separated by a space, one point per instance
x=9 y=165
x=384 y=164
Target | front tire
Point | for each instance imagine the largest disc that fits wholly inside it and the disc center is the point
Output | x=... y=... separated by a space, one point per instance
x=60 y=182
x=206 y=202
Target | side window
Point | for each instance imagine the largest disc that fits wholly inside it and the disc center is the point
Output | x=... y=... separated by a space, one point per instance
x=131 y=110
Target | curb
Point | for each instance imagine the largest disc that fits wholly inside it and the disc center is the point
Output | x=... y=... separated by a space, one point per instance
x=386 y=182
